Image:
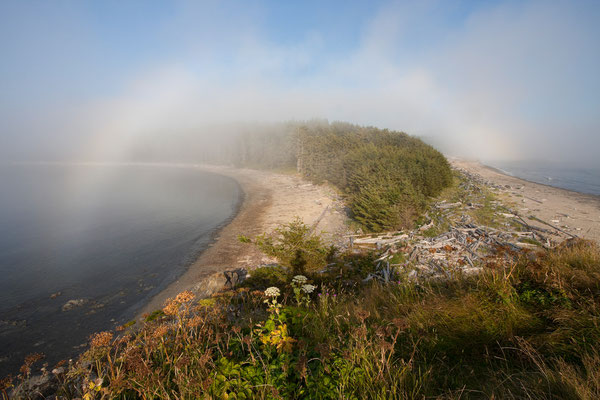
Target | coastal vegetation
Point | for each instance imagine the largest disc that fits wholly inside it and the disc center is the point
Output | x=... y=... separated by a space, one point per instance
x=524 y=329
x=387 y=176
x=361 y=322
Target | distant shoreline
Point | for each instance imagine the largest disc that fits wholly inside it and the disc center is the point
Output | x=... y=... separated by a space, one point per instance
x=510 y=175
x=514 y=175
x=575 y=212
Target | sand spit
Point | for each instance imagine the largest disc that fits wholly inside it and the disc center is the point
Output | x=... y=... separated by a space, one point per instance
x=270 y=199
x=575 y=213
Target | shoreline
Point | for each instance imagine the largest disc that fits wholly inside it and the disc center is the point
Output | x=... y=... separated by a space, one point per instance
x=575 y=212
x=212 y=259
x=268 y=200
x=591 y=196
x=510 y=175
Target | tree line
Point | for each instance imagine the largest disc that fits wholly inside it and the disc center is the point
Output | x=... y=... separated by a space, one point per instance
x=386 y=175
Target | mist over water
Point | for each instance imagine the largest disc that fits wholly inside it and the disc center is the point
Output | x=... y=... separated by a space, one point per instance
x=100 y=81
x=113 y=236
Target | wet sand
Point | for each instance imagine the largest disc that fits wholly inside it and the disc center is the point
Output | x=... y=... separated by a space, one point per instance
x=269 y=200
x=575 y=213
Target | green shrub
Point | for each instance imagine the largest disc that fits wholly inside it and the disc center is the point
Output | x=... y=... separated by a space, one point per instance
x=295 y=247
x=264 y=277
x=386 y=175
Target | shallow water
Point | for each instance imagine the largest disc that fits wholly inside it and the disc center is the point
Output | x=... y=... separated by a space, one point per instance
x=112 y=236
x=583 y=180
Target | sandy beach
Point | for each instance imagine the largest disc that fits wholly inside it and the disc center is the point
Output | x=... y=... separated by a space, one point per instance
x=270 y=199
x=574 y=213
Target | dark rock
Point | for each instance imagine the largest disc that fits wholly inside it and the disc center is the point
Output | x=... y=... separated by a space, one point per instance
x=73 y=303
x=235 y=277
x=36 y=387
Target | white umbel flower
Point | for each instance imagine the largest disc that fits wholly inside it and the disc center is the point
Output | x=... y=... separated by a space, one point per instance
x=308 y=288
x=272 y=292
x=299 y=279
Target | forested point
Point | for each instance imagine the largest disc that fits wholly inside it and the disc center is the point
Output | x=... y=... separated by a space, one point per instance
x=386 y=175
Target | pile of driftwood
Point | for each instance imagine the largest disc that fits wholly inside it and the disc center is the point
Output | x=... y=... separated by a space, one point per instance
x=465 y=249
x=462 y=247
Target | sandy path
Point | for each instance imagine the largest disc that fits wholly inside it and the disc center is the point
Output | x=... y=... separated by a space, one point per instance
x=270 y=199
x=575 y=213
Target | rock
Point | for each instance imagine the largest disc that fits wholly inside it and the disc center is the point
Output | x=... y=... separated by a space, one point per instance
x=209 y=285
x=55 y=295
x=235 y=277
x=36 y=387
x=7 y=326
x=73 y=303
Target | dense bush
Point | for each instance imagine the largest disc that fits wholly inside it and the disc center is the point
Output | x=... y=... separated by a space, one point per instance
x=387 y=175
x=295 y=246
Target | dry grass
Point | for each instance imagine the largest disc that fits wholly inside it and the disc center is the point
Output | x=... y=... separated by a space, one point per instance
x=528 y=330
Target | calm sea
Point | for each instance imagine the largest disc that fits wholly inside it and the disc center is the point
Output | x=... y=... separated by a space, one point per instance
x=583 y=180
x=110 y=237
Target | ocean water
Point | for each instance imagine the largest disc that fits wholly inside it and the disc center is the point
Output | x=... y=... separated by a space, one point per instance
x=583 y=180
x=111 y=236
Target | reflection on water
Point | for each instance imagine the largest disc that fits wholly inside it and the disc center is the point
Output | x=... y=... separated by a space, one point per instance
x=83 y=248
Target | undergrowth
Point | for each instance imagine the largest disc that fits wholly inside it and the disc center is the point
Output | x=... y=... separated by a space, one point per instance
x=524 y=330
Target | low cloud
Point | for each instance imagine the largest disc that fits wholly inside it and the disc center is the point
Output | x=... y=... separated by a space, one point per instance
x=513 y=80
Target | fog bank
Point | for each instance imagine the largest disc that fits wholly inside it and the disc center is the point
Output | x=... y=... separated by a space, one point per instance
x=494 y=80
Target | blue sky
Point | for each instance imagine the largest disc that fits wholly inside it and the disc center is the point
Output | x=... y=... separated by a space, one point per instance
x=486 y=79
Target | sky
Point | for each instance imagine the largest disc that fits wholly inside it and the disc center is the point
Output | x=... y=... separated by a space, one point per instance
x=491 y=80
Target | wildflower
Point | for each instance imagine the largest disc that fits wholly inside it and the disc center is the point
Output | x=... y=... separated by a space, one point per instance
x=171 y=307
x=362 y=315
x=300 y=279
x=161 y=331
x=195 y=321
x=308 y=288
x=90 y=387
x=272 y=292
x=184 y=297
x=101 y=339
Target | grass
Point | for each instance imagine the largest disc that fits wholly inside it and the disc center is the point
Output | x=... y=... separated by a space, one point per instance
x=530 y=241
x=524 y=330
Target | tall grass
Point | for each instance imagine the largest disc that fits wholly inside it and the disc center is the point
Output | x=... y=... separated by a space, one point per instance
x=526 y=330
